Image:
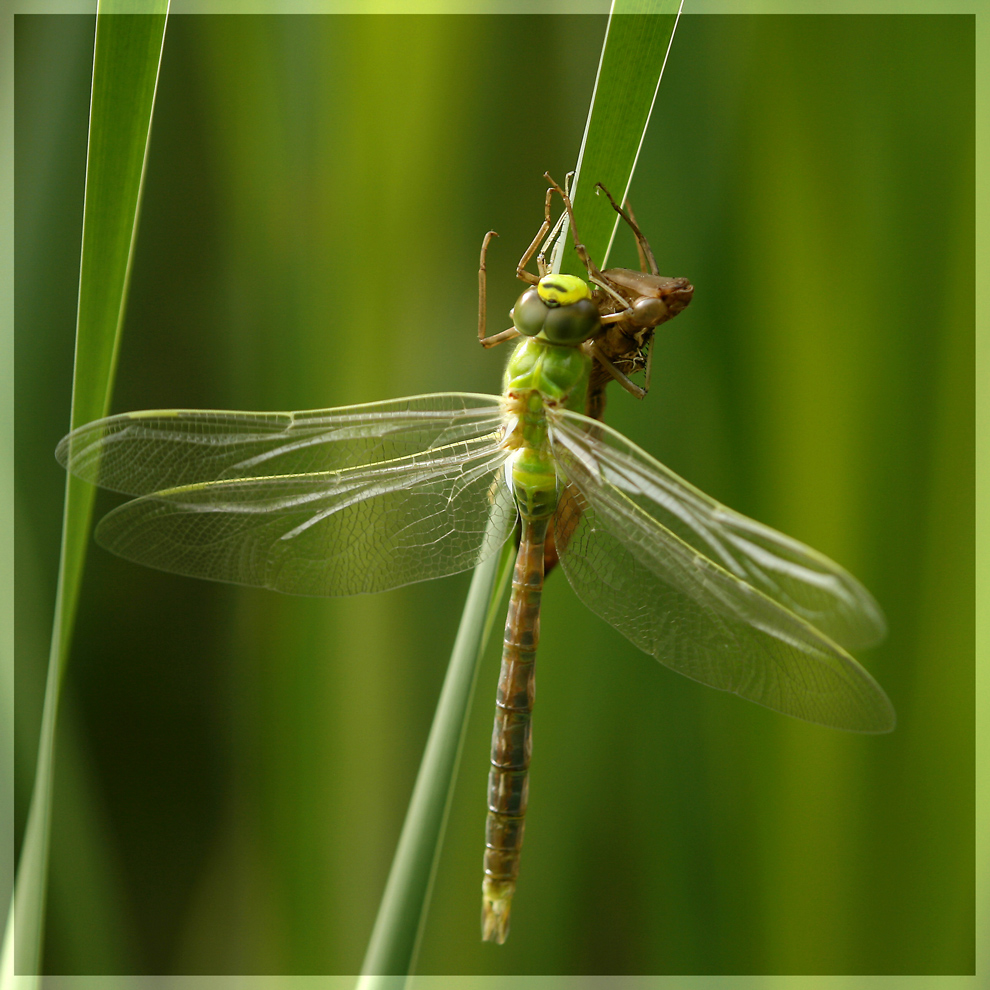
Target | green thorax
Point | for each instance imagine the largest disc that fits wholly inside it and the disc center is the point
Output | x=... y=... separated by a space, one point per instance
x=558 y=372
x=540 y=373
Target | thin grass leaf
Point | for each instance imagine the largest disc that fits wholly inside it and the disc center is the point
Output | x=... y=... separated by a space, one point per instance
x=398 y=928
x=636 y=43
x=126 y=59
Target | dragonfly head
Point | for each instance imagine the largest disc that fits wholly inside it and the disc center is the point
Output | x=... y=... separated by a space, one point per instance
x=560 y=307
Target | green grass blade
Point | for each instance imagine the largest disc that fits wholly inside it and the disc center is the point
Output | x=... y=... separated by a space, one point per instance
x=126 y=58
x=398 y=928
x=637 y=42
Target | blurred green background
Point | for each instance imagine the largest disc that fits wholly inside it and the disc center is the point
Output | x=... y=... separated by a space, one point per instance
x=234 y=766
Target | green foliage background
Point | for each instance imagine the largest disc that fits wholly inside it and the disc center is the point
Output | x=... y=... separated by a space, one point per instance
x=233 y=766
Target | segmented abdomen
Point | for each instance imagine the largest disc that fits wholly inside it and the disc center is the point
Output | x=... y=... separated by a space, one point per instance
x=508 y=782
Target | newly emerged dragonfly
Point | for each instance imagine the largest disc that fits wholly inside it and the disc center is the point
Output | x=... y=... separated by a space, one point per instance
x=371 y=497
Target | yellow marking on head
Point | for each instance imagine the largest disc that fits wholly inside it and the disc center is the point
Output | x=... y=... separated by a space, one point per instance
x=562 y=290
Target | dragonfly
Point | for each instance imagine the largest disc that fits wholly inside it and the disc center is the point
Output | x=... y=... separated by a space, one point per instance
x=366 y=498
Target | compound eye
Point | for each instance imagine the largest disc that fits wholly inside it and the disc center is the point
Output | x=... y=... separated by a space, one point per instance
x=529 y=313
x=572 y=324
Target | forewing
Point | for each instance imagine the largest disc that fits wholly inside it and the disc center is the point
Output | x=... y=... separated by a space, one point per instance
x=804 y=581
x=681 y=603
x=392 y=493
x=143 y=452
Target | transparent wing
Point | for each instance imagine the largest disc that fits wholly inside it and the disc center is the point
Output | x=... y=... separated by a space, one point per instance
x=331 y=502
x=139 y=453
x=804 y=581
x=709 y=593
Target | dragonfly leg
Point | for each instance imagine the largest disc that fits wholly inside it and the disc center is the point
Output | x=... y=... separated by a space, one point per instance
x=582 y=252
x=642 y=244
x=496 y=338
x=501 y=337
x=627 y=311
x=646 y=260
x=624 y=380
x=552 y=237
x=541 y=264
x=483 y=286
